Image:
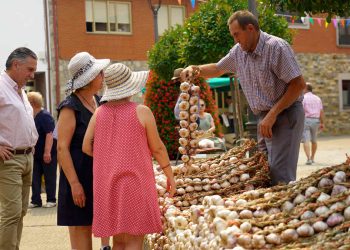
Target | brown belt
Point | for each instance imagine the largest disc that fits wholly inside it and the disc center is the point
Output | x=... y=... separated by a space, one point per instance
x=24 y=151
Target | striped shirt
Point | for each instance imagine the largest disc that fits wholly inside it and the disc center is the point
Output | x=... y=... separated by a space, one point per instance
x=312 y=105
x=265 y=73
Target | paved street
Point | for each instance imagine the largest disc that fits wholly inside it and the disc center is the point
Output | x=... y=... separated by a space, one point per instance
x=40 y=230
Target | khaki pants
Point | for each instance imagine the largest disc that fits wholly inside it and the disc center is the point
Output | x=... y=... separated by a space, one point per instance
x=15 y=182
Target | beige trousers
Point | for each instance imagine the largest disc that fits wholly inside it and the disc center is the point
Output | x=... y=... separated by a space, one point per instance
x=15 y=182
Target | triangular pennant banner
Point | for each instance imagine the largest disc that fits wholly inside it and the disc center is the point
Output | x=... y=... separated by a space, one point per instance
x=179 y=1
x=318 y=21
x=302 y=19
x=193 y=3
x=311 y=20
x=293 y=18
x=347 y=23
x=342 y=22
x=335 y=23
x=326 y=24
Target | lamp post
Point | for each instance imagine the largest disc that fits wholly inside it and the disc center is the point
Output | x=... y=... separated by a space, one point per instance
x=252 y=123
x=155 y=8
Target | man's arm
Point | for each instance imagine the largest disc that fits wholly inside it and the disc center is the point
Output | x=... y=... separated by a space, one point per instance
x=205 y=71
x=294 y=90
x=47 y=148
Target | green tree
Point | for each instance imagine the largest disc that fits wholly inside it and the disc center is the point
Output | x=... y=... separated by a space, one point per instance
x=332 y=7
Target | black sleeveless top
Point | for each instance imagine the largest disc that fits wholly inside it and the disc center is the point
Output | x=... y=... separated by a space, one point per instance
x=68 y=214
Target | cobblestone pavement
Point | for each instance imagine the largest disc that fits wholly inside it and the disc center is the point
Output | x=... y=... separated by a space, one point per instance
x=40 y=230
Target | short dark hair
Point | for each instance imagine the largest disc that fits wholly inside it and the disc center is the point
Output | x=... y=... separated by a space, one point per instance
x=19 y=54
x=244 y=18
x=309 y=87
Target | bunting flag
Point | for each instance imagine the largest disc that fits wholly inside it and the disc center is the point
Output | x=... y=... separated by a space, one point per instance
x=193 y=3
x=179 y=1
x=344 y=22
x=319 y=21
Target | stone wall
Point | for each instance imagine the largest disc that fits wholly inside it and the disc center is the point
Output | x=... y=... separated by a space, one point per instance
x=324 y=71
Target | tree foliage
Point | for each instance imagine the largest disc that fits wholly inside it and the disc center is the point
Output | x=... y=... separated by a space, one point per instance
x=332 y=7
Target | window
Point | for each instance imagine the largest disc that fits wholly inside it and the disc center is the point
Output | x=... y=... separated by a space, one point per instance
x=344 y=92
x=169 y=16
x=108 y=16
x=343 y=34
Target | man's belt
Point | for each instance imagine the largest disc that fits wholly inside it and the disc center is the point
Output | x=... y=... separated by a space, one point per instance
x=24 y=151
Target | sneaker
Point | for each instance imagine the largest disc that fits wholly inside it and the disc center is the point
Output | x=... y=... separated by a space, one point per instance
x=106 y=248
x=50 y=204
x=32 y=205
x=308 y=162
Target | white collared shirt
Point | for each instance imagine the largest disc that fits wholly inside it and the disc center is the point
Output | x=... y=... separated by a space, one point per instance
x=17 y=127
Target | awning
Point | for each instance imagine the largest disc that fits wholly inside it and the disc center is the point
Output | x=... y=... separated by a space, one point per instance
x=219 y=82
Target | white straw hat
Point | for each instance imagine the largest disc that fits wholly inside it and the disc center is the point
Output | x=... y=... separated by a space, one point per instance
x=84 y=68
x=122 y=82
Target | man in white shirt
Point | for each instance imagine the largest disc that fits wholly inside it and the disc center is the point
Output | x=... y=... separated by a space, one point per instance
x=18 y=136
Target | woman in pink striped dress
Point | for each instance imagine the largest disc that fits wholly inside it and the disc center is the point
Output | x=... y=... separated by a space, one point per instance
x=122 y=136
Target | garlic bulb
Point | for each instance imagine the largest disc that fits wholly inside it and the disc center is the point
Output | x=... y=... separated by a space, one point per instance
x=241 y=202
x=194 y=135
x=289 y=235
x=189 y=189
x=287 y=206
x=305 y=230
x=183 y=142
x=299 y=199
x=193 y=117
x=259 y=213
x=194 y=100
x=184 y=132
x=182 y=150
x=273 y=238
x=185 y=86
x=184 y=96
x=335 y=219
x=307 y=215
x=347 y=213
x=193 y=126
x=268 y=195
x=321 y=210
x=180 y=191
x=310 y=190
x=337 y=206
x=320 y=226
x=273 y=210
x=246 y=214
x=225 y=184
x=245 y=227
x=195 y=89
x=183 y=115
x=325 y=182
x=244 y=177
x=229 y=203
x=233 y=179
x=185 y=158
x=245 y=241
x=337 y=189
x=184 y=105
x=183 y=124
x=194 y=143
x=258 y=241
x=194 y=109
x=243 y=167
x=323 y=197
x=339 y=177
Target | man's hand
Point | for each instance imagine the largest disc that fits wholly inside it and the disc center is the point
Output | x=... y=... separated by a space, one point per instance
x=322 y=127
x=47 y=157
x=265 y=126
x=189 y=73
x=5 y=153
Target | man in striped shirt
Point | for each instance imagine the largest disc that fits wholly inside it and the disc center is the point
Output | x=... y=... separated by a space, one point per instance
x=272 y=82
x=314 y=120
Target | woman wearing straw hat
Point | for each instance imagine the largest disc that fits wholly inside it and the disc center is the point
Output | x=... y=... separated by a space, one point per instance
x=74 y=113
x=122 y=137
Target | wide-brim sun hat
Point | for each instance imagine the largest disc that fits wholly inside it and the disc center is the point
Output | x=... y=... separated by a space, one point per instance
x=177 y=73
x=84 y=68
x=121 y=82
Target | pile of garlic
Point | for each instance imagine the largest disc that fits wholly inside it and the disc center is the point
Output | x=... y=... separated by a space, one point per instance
x=308 y=212
x=188 y=122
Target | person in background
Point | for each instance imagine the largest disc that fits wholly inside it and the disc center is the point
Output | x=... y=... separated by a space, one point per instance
x=206 y=124
x=272 y=82
x=45 y=156
x=229 y=113
x=314 y=122
x=75 y=202
x=18 y=137
x=122 y=137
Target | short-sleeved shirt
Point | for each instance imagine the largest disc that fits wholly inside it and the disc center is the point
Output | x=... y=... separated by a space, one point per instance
x=312 y=105
x=205 y=122
x=44 y=124
x=264 y=74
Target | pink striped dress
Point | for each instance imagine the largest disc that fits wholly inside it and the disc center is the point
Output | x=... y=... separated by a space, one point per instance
x=125 y=195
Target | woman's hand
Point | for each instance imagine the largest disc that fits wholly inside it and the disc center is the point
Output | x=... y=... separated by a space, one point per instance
x=171 y=187
x=78 y=194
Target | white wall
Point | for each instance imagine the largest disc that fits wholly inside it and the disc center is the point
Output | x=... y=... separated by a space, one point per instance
x=22 y=24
